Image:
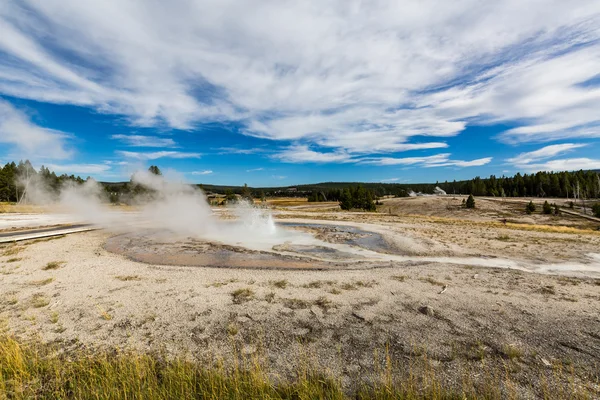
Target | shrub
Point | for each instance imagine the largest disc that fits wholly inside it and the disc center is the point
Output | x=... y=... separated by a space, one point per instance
x=571 y=204
x=530 y=208
x=547 y=208
x=470 y=202
x=556 y=209
x=596 y=210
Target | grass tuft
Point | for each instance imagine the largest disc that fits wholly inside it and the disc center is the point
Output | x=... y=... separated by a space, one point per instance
x=281 y=284
x=39 y=300
x=432 y=281
x=53 y=265
x=242 y=295
x=399 y=278
x=127 y=278
x=41 y=282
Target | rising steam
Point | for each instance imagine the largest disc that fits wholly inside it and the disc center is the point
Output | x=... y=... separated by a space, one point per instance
x=178 y=209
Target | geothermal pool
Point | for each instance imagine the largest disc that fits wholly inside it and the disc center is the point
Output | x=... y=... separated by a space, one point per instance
x=320 y=245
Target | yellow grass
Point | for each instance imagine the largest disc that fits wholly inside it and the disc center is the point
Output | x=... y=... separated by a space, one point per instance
x=508 y=225
x=36 y=370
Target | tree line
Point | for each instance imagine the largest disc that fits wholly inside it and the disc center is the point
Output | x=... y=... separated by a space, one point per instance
x=15 y=178
x=576 y=184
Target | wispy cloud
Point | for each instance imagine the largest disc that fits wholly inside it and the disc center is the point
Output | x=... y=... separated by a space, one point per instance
x=543 y=153
x=538 y=160
x=302 y=154
x=144 y=141
x=79 y=169
x=567 y=164
x=361 y=78
x=29 y=140
x=157 y=154
x=205 y=172
x=255 y=169
x=438 y=160
x=236 y=150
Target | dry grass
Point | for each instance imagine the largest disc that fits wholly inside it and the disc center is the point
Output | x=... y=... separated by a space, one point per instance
x=432 y=281
x=105 y=315
x=318 y=284
x=221 y=283
x=127 y=278
x=54 y=317
x=509 y=225
x=270 y=297
x=35 y=370
x=296 y=304
x=39 y=300
x=512 y=352
x=53 y=265
x=12 y=250
x=242 y=295
x=20 y=208
x=41 y=282
x=281 y=284
x=549 y=290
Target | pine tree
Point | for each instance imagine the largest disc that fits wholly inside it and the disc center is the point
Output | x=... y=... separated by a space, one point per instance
x=154 y=170
x=530 y=208
x=547 y=208
x=596 y=210
x=470 y=202
x=346 y=202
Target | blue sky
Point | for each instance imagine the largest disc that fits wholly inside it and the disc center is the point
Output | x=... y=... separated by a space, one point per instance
x=280 y=93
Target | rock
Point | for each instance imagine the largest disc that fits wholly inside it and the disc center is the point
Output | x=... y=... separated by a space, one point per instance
x=317 y=311
x=359 y=315
x=546 y=362
x=299 y=332
x=427 y=310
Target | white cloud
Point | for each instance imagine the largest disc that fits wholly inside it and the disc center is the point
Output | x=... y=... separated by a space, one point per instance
x=205 y=172
x=438 y=160
x=255 y=169
x=543 y=153
x=235 y=150
x=568 y=164
x=28 y=140
x=390 y=180
x=278 y=177
x=144 y=141
x=157 y=154
x=358 y=77
x=302 y=153
x=79 y=169
x=538 y=160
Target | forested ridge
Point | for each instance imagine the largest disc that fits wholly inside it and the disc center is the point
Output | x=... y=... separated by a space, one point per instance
x=580 y=184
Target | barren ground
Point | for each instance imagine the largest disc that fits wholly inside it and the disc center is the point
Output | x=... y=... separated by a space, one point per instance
x=525 y=325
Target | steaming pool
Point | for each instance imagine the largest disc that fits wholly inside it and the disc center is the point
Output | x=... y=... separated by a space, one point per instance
x=318 y=245
x=290 y=246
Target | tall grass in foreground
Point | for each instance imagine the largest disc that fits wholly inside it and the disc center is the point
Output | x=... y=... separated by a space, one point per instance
x=34 y=370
